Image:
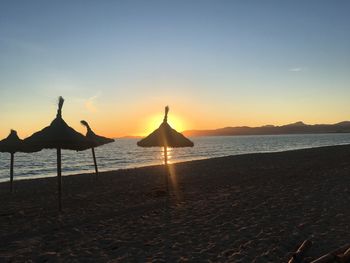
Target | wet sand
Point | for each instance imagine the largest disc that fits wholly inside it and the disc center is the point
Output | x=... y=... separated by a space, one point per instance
x=247 y=208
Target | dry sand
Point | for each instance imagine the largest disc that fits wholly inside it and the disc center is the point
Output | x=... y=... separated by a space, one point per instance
x=248 y=208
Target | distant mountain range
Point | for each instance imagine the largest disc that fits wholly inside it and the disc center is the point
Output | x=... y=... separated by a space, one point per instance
x=293 y=128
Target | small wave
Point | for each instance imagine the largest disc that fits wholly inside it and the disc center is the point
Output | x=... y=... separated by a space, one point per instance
x=124 y=153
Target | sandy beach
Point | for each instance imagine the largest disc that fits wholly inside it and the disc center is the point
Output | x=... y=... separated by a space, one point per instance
x=247 y=208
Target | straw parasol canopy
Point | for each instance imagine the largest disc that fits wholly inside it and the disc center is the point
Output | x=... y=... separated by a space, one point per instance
x=13 y=144
x=58 y=135
x=97 y=140
x=165 y=136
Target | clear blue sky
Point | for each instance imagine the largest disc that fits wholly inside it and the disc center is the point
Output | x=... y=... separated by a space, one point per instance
x=216 y=63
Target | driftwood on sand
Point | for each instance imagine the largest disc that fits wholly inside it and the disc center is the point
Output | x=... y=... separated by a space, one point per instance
x=341 y=255
x=299 y=254
x=343 y=258
x=333 y=255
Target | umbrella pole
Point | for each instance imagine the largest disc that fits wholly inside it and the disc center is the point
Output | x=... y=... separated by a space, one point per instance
x=59 y=181
x=11 y=172
x=95 y=162
x=165 y=155
x=166 y=169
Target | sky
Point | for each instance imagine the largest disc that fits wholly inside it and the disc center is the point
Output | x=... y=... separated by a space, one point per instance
x=215 y=63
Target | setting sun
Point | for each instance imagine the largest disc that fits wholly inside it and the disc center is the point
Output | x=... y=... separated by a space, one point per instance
x=177 y=130
x=154 y=121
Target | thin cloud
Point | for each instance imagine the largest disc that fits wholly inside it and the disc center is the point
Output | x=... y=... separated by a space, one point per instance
x=90 y=103
x=298 y=69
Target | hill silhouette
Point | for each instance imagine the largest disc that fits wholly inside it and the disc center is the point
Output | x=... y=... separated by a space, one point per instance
x=293 y=128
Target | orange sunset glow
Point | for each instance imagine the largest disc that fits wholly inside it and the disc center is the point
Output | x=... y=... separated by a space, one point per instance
x=153 y=122
x=175 y=131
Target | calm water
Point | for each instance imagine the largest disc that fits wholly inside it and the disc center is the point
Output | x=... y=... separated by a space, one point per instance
x=124 y=153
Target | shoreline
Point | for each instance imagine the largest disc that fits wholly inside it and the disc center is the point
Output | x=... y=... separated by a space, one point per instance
x=91 y=171
x=242 y=208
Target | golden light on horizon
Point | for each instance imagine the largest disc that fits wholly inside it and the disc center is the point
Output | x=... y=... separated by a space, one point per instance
x=153 y=122
x=170 y=154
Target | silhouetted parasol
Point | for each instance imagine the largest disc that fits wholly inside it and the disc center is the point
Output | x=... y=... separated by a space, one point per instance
x=13 y=144
x=165 y=136
x=97 y=140
x=59 y=136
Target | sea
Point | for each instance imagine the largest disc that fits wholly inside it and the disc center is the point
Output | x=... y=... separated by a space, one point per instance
x=124 y=153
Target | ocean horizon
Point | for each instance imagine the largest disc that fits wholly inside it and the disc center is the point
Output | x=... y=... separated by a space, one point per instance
x=124 y=153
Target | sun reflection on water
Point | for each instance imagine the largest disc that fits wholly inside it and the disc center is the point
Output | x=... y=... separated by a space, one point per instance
x=170 y=154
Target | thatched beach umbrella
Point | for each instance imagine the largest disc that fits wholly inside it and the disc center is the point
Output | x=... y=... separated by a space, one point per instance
x=13 y=144
x=165 y=137
x=58 y=135
x=97 y=140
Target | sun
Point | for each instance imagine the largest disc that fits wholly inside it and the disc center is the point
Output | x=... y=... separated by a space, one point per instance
x=174 y=121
